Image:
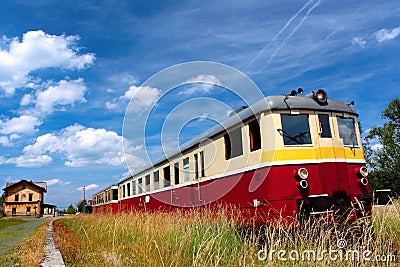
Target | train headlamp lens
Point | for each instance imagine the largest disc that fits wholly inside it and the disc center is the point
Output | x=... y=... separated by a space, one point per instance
x=364 y=171
x=303 y=173
x=321 y=96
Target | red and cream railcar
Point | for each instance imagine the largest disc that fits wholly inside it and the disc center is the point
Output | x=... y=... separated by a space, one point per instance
x=280 y=157
x=106 y=201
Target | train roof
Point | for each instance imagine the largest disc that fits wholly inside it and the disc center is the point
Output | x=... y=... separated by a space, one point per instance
x=270 y=103
x=108 y=187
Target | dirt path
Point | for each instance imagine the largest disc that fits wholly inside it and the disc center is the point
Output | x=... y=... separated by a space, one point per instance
x=10 y=236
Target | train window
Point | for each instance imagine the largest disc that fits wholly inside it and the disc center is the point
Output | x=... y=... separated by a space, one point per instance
x=202 y=164
x=128 y=189
x=167 y=176
x=347 y=131
x=233 y=143
x=186 y=176
x=123 y=191
x=147 y=182
x=196 y=166
x=255 y=136
x=156 y=175
x=134 y=188
x=140 y=189
x=295 y=129
x=324 y=126
x=176 y=172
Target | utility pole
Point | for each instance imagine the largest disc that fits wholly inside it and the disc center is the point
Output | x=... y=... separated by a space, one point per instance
x=84 y=197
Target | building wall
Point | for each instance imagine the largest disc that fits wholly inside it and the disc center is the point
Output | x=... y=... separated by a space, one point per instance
x=23 y=199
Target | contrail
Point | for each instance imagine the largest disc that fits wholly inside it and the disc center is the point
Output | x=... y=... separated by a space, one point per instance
x=293 y=32
x=279 y=33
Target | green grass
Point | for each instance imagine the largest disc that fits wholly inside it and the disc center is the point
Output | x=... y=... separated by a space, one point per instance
x=203 y=239
x=8 y=222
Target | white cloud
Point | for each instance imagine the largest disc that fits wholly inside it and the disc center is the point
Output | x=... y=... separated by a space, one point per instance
x=63 y=93
x=5 y=141
x=25 y=124
x=80 y=146
x=385 y=35
x=204 y=83
x=359 y=41
x=89 y=187
x=28 y=160
x=26 y=100
x=37 y=50
x=377 y=147
x=56 y=181
x=142 y=98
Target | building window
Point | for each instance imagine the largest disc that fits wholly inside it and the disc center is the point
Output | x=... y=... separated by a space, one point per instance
x=128 y=189
x=324 y=126
x=186 y=174
x=123 y=191
x=176 y=173
x=156 y=175
x=233 y=144
x=255 y=136
x=202 y=164
x=30 y=197
x=16 y=197
x=147 y=181
x=295 y=129
x=347 y=131
x=167 y=176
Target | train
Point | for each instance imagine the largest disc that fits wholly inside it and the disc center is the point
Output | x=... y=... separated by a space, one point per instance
x=286 y=156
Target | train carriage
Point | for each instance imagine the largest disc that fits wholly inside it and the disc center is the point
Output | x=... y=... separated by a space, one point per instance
x=281 y=157
x=106 y=201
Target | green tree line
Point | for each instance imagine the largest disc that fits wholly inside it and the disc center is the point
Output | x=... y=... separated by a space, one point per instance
x=384 y=159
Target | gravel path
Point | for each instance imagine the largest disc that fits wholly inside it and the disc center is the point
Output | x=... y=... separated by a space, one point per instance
x=53 y=256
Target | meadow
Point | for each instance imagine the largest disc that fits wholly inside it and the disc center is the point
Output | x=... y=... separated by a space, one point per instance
x=206 y=239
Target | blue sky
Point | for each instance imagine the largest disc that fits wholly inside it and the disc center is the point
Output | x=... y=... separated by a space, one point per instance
x=68 y=69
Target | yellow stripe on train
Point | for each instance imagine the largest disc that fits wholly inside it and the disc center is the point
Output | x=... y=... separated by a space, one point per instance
x=312 y=154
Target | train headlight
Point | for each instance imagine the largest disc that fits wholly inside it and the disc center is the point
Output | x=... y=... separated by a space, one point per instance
x=362 y=171
x=320 y=96
x=363 y=181
x=302 y=184
x=302 y=173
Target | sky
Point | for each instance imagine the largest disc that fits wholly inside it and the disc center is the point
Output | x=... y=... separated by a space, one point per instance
x=69 y=70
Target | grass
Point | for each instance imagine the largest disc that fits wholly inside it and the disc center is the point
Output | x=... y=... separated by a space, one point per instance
x=8 y=222
x=29 y=251
x=205 y=239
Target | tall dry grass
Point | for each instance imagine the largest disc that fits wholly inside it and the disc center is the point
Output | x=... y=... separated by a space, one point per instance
x=204 y=239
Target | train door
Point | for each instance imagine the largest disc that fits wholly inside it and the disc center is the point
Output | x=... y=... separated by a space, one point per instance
x=332 y=157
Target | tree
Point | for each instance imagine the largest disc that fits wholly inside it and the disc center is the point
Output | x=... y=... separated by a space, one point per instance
x=385 y=158
x=70 y=209
x=2 y=199
x=81 y=205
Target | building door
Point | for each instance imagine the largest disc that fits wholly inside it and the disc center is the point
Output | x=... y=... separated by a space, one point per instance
x=14 y=212
x=28 y=211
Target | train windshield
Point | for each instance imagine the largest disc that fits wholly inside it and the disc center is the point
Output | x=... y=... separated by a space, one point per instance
x=295 y=129
x=347 y=131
